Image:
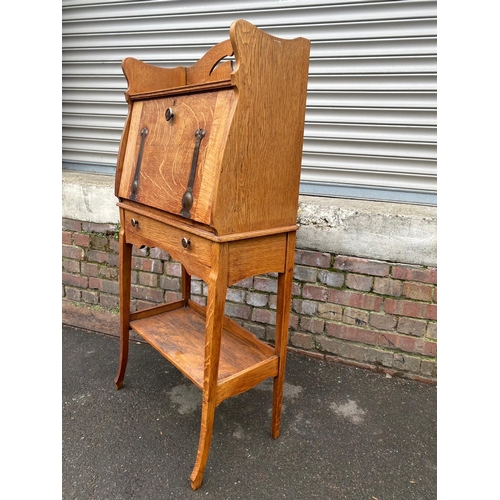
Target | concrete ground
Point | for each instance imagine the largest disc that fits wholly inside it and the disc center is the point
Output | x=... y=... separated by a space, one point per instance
x=346 y=433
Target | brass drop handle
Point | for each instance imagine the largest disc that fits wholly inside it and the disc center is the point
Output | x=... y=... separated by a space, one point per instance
x=135 y=183
x=134 y=222
x=187 y=199
x=185 y=243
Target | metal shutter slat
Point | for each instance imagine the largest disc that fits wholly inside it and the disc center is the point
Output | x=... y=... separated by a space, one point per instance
x=372 y=95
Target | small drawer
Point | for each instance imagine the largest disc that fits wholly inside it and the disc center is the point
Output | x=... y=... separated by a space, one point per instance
x=179 y=243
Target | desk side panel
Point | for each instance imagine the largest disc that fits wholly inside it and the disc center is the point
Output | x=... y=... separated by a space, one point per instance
x=260 y=177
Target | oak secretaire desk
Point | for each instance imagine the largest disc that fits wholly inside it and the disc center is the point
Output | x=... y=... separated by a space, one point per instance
x=208 y=170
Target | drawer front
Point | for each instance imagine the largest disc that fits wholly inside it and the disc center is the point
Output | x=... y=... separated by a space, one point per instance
x=192 y=250
x=174 y=145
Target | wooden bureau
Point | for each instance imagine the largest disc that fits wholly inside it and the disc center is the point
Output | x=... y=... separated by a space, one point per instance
x=208 y=170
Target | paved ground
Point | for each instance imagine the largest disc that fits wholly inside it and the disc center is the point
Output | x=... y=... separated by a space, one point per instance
x=346 y=433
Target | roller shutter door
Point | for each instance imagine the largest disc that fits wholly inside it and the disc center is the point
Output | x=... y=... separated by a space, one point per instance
x=371 y=109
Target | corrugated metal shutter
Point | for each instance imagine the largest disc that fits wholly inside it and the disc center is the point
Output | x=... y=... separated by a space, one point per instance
x=371 y=110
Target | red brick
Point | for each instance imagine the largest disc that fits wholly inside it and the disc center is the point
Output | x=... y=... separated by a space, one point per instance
x=67 y=238
x=432 y=331
x=273 y=301
x=255 y=299
x=302 y=273
x=270 y=333
x=359 y=282
x=113 y=244
x=139 y=252
x=97 y=256
x=411 y=326
x=312 y=325
x=71 y=265
x=139 y=305
x=90 y=297
x=400 y=342
x=95 y=283
x=72 y=225
x=173 y=296
x=411 y=309
x=108 y=272
x=346 y=332
x=148 y=279
x=258 y=330
x=407 y=363
x=169 y=283
x=314 y=292
x=329 y=344
x=264 y=316
x=355 y=316
x=429 y=349
x=362 y=266
x=157 y=253
x=362 y=356
x=305 y=307
x=302 y=340
x=144 y=264
x=263 y=284
x=314 y=259
x=146 y=293
x=245 y=283
x=428 y=368
x=113 y=260
x=109 y=301
x=89 y=269
x=73 y=294
x=238 y=310
x=235 y=295
x=98 y=242
x=72 y=252
x=74 y=280
x=408 y=344
x=333 y=279
x=173 y=269
x=388 y=286
x=410 y=273
x=418 y=291
x=293 y=322
x=329 y=311
x=383 y=321
x=355 y=299
x=296 y=289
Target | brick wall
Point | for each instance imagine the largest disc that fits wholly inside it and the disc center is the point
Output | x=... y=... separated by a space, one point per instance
x=372 y=314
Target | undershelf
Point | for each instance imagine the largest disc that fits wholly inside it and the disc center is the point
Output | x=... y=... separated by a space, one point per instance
x=179 y=335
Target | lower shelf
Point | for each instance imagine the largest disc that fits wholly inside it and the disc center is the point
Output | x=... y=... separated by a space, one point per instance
x=179 y=335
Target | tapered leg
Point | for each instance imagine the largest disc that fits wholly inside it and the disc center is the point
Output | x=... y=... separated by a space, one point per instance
x=124 y=262
x=285 y=281
x=217 y=289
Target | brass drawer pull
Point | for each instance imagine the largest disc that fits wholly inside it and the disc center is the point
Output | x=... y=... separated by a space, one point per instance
x=169 y=114
x=185 y=243
x=134 y=222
